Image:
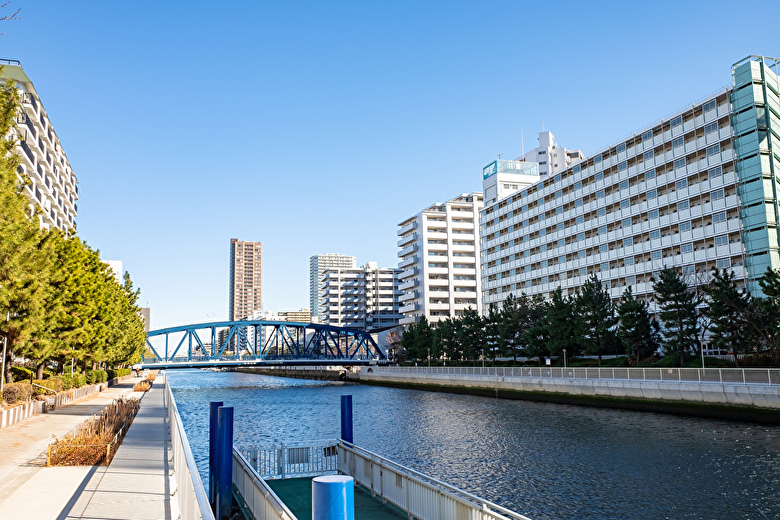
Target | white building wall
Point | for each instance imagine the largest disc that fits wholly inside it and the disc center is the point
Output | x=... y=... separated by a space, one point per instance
x=365 y=297
x=667 y=196
x=439 y=261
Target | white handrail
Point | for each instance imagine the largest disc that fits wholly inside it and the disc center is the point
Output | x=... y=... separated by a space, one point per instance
x=193 y=502
x=260 y=499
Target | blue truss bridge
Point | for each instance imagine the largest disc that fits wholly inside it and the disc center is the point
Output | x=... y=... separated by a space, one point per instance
x=258 y=343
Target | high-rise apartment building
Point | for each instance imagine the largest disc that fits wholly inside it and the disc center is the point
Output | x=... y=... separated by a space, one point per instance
x=696 y=191
x=551 y=157
x=52 y=188
x=365 y=297
x=246 y=279
x=317 y=266
x=439 y=264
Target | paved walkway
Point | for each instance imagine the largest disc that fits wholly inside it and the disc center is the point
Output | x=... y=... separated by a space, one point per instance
x=42 y=492
x=136 y=485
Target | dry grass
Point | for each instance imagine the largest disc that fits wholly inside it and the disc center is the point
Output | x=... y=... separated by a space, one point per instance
x=151 y=376
x=96 y=440
x=142 y=386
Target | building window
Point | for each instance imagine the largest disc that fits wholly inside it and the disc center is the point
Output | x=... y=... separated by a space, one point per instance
x=712 y=127
x=684 y=226
x=679 y=163
x=578 y=185
x=629 y=260
x=603 y=248
x=621 y=147
x=626 y=222
x=678 y=142
x=709 y=105
x=715 y=172
x=601 y=212
x=717 y=194
x=625 y=204
x=579 y=219
x=597 y=159
x=677 y=121
x=649 y=174
x=686 y=248
x=648 y=155
x=713 y=150
x=655 y=255
x=647 y=136
x=602 y=230
x=724 y=263
x=562 y=259
x=721 y=240
x=622 y=166
x=652 y=194
x=719 y=217
x=599 y=194
x=683 y=204
x=599 y=176
x=628 y=242
x=623 y=185
x=653 y=213
x=581 y=254
x=604 y=266
x=681 y=184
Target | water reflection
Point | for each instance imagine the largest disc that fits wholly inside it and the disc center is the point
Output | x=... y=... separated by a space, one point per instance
x=544 y=460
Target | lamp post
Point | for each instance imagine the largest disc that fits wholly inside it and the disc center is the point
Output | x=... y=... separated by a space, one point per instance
x=564 y=358
x=429 y=358
x=2 y=376
x=483 y=357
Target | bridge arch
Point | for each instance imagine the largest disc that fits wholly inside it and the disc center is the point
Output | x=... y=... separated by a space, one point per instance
x=259 y=342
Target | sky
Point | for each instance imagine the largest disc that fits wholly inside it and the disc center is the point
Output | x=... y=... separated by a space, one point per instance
x=317 y=127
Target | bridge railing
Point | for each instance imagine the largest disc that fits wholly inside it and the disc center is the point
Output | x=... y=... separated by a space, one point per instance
x=193 y=501
x=252 y=357
x=724 y=376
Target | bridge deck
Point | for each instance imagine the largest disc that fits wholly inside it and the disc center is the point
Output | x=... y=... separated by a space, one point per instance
x=296 y=494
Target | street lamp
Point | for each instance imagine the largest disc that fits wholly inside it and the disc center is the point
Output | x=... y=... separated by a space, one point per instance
x=429 y=358
x=564 y=358
x=2 y=377
x=483 y=357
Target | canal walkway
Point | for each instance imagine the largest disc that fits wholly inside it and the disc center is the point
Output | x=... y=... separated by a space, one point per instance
x=135 y=485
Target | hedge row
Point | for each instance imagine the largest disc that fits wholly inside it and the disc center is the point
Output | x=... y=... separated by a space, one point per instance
x=119 y=372
x=96 y=376
x=17 y=392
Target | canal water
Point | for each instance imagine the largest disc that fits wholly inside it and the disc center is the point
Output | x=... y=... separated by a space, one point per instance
x=544 y=460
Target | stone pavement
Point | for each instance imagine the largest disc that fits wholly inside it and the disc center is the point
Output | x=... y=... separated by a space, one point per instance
x=24 y=483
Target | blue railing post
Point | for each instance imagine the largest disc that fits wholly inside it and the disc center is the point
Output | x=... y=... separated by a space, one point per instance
x=346 y=418
x=213 y=406
x=224 y=462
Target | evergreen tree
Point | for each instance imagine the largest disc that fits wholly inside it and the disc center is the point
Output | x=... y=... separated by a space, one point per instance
x=492 y=326
x=447 y=338
x=513 y=322
x=764 y=313
x=471 y=333
x=635 y=328
x=597 y=313
x=563 y=323
x=728 y=310
x=537 y=335
x=678 y=313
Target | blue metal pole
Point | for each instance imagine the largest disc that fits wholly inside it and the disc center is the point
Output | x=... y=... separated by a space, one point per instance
x=225 y=462
x=346 y=418
x=213 y=406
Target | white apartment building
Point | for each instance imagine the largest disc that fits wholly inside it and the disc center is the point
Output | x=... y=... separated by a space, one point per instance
x=551 y=157
x=53 y=187
x=365 y=297
x=696 y=190
x=440 y=271
x=317 y=266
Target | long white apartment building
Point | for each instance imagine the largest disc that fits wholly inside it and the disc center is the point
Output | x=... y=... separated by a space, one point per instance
x=318 y=264
x=439 y=261
x=696 y=191
x=364 y=297
x=53 y=188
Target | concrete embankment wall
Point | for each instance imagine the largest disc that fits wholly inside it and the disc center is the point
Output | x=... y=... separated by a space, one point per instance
x=322 y=373
x=728 y=401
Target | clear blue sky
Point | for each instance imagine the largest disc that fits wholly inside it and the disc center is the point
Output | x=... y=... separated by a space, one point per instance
x=317 y=127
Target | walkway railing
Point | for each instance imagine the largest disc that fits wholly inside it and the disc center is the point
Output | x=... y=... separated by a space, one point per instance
x=193 y=502
x=292 y=460
x=421 y=496
x=724 y=376
x=257 y=497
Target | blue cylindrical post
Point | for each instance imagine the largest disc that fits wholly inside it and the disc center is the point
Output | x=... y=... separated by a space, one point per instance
x=333 y=497
x=346 y=418
x=224 y=462
x=213 y=406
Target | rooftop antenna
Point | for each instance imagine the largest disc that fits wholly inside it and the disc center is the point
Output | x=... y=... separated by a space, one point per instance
x=522 y=145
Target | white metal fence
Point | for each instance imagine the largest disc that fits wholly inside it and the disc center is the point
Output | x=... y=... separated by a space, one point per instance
x=192 y=498
x=257 y=496
x=293 y=459
x=725 y=376
x=421 y=496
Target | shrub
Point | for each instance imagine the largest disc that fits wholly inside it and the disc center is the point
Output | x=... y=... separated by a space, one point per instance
x=21 y=373
x=79 y=380
x=92 y=377
x=67 y=381
x=102 y=376
x=51 y=384
x=621 y=361
x=17 y=392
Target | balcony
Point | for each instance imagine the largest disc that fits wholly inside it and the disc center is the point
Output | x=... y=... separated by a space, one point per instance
x=406 y=239
x=408 y=250
x=409 y=308
x=408 y=272
x=407 y=228
x=408 y=262
x=408 y=285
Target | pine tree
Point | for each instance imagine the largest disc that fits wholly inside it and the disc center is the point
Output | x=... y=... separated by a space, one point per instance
x=597 y=313
x=471 y=333
x=728 y=310
x=678 y=313
x=564 y=325
x=537 y=335
x=635 y=328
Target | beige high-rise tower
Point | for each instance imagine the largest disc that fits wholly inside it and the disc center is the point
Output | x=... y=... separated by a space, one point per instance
x=246 y=278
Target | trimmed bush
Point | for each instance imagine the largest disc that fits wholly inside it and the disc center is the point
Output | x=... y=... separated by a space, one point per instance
x=51 y=384
x=118 y=372
x=67 y=381
x=79 y=380
x=21 y=374
x=14 y=393
x=102 y=376
x=92 y=377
